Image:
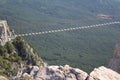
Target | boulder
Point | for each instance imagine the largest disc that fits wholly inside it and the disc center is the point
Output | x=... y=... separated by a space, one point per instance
x=55 y=73
x=68 y=73
x=3 y=78
x=103 y=73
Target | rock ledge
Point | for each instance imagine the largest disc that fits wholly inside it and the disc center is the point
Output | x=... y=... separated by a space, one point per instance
x=68 y=73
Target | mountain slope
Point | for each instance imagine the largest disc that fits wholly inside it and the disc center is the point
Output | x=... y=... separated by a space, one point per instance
x=15 y=55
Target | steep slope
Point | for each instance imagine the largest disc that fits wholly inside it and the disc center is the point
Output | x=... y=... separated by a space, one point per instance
x=34 y=72
x=68 y=73
x=16 y=55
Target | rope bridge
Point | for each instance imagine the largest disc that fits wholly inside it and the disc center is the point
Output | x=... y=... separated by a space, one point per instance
x=69 y=29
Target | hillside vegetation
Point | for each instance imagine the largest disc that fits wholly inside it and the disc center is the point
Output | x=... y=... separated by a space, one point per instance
x=16 y=55
x=85 y=49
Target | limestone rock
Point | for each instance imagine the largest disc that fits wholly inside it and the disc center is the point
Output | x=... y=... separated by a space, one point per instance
x=68 y=73
x=3 y=78
x=34 y=71
x=5 y=33
x=80 y=75
x=103 y=73
x=55 y=73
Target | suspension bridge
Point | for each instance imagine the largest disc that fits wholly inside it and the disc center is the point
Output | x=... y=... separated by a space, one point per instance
x=69 y=29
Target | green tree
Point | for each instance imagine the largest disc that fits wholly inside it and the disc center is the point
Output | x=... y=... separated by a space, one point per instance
x=20 y=46
x=9 y=46
x=3 y=50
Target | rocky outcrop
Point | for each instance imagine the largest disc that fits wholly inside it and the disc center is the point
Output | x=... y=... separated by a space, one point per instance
x=5 y=33
x=54 y=73
x=103 y=73
x=67 y=73
x=115 y=61
x=35 y=72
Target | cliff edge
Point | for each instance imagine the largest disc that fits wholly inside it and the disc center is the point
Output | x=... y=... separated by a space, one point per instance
x=67 y=73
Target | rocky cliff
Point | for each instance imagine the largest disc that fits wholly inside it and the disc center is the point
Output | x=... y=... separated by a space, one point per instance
x=67 y=73
x=16 y=55
x=23 y=63
x=115 y=61
x=54 y=73
x=6 y=34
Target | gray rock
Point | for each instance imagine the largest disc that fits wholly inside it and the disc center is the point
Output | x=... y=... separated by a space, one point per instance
x=6 y=34
x=34 y=71
x=55 y=73
x=3 y=78
x=68 y=73
x=103 y=73
x=81 y=75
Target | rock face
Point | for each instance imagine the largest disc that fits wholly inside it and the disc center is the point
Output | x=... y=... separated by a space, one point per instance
x=55 y=73
x=5 y=33
x=115 y=61
x=103 y=73
x=67 y=73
